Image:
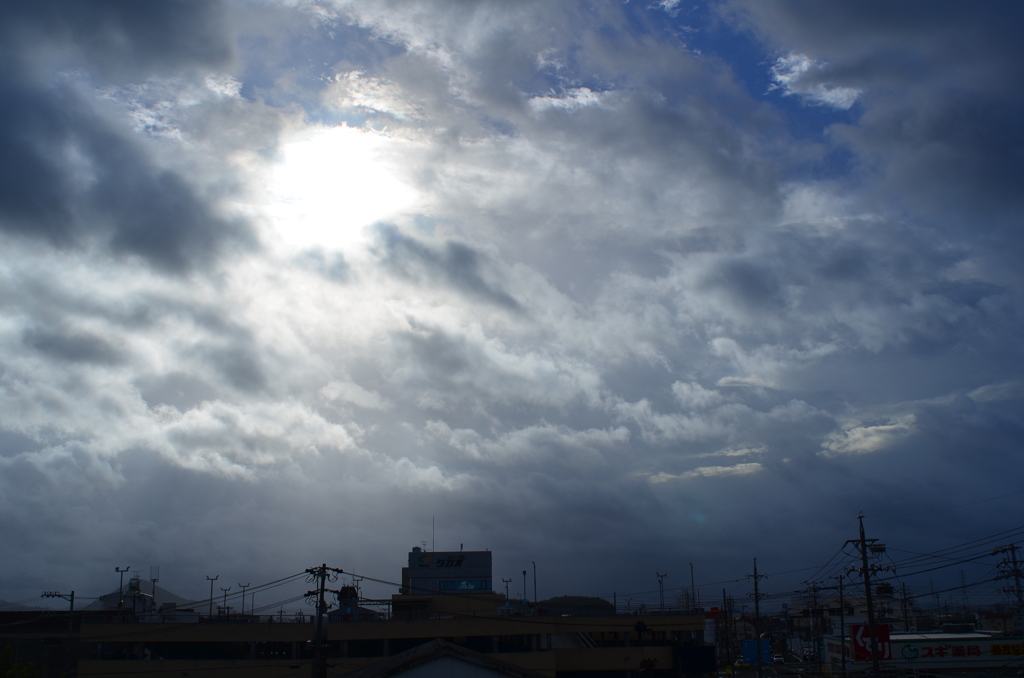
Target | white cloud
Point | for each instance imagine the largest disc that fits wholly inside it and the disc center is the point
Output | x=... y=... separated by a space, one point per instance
x=349 y=392
x=798 y=74
x=354 y=89
x=572 y=99
x=733 y=452
x=1008 y=390
x=709 y=472
x=858 y=439
x=694 y=396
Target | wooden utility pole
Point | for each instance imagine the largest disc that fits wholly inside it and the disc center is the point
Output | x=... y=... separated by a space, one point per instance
x=905 y=603
x=757 y=618
x=813 y=625
x=726 y=620
x=320 y=576
x=862 y=544
x=842 y=625
x=1010 y=569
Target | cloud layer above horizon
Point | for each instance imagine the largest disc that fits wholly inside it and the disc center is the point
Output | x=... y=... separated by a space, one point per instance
x=609 y=286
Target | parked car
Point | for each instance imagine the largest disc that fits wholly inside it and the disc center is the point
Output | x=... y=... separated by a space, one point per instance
x=778 y=659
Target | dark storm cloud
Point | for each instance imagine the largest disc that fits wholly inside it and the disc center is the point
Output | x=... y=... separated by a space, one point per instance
x=76 y=347
x=116 y=38
x=69 y=175
x=178 y=389
x=940 y=110
x=455 y=264
x=627 y=323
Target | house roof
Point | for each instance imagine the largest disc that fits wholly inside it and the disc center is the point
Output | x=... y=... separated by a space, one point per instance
x=437 y=649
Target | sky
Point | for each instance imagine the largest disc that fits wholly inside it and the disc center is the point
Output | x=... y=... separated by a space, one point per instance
x=609 y=287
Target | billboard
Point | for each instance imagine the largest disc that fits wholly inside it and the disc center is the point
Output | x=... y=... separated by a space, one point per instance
x=449 y=571
x=449 y=561
x=750 y=651
x=860 y=634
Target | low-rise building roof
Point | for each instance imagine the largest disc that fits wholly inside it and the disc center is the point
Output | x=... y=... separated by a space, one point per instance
x=473 y=663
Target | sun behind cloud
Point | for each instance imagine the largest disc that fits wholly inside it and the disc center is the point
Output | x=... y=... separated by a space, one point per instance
x=332 y=183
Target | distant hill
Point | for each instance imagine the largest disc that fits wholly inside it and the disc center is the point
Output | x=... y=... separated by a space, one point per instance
x=576 y=606
x=9 y=607
x=145 y=588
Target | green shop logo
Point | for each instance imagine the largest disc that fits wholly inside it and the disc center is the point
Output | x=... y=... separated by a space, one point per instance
x=910 y=653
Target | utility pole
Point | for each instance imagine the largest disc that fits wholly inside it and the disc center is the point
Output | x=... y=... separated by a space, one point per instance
x=154 y=577
x=661 y=588
x=757 y=618
x=963 y=587
x=212 y=579
x=120 y=594
x=243 y=587
x=726 y=618
x=71 y=624
x=534 y=583
x=507 y=582
x=862 y=544
x=842 y=624
x=905 y=604
x=693 y=590
x=225 y=590
x=1011 y=564
x=71 y=612
x=320 y=576
x=812 y=627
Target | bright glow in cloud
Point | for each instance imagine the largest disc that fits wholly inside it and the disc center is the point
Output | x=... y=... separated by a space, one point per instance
x=709 y=472
x=865 y=439
x=333 y=183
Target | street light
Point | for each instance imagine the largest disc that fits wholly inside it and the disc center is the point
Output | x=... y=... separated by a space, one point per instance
x=524 y=589
x=120 y=588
